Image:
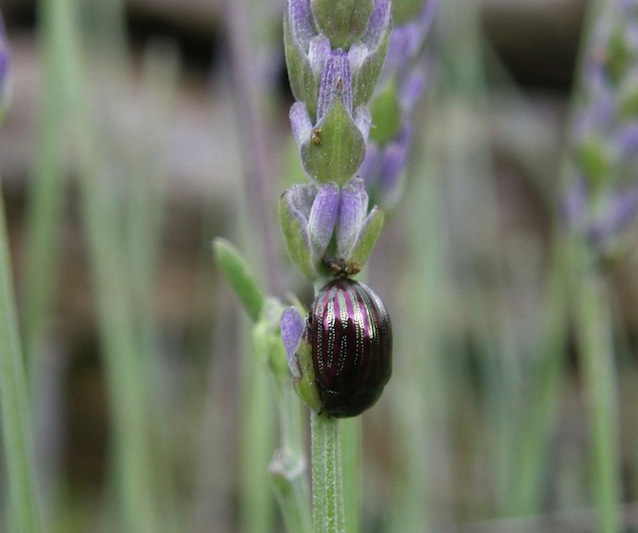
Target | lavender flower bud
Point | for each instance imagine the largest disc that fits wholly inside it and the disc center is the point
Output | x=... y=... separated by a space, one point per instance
x=357 y=230
x=299 y=354
x=292 y=328
x=311 y=216
x=308 y=216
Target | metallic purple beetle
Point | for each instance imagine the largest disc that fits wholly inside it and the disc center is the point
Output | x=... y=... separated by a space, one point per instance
x=351 y=336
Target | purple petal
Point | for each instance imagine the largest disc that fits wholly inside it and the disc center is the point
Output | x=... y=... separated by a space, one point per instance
x=336 y=82
x=301 y=25
x=300 y=122
x=377 y=24
x=627 y=140
x=323 y=217
x=292 y=327
x=352 y=211
x=412 y=89
x=300 y=199
x=404 y=43
x=318 y=53
x=394 y=160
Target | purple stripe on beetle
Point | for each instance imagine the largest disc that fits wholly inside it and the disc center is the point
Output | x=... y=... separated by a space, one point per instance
x=351 y=337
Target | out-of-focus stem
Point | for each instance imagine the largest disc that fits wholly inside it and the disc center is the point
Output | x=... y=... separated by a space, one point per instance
x=19 y=457
x=601 y=390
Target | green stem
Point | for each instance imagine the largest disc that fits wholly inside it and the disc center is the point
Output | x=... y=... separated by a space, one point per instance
x=19 y=459
x=601 y=394
x=288 y=467
x=542 y=413
x=327 y=476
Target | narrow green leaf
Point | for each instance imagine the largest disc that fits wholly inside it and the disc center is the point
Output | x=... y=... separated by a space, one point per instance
x=239 y=276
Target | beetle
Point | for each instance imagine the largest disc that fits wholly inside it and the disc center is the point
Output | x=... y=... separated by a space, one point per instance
x=350 y=333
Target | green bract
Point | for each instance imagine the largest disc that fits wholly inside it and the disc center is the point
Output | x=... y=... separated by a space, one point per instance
x=305 y=384
x=367 y=238
x=336 y=148
x=342 y=22
x=367 y=59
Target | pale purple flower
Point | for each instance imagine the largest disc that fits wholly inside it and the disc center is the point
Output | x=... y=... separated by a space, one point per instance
x=406 y=64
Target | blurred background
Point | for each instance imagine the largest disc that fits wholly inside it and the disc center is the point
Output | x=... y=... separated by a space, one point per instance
x=465 y=266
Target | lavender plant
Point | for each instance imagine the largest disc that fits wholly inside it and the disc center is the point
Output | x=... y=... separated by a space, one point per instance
x=601 y=199
x=335 y=53
x=334 y=63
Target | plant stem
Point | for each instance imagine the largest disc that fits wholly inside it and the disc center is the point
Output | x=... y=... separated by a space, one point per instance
x=601 y=392
x=542 y=414
x=19 y=459
x=288 y=468
x=327 y=480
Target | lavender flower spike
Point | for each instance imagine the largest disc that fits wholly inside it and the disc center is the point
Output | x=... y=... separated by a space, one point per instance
x=308 y=216
x=334 y=53
x=601 y=196
x=403 y=80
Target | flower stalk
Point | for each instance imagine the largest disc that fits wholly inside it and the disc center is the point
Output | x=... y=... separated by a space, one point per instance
x=600 y=201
